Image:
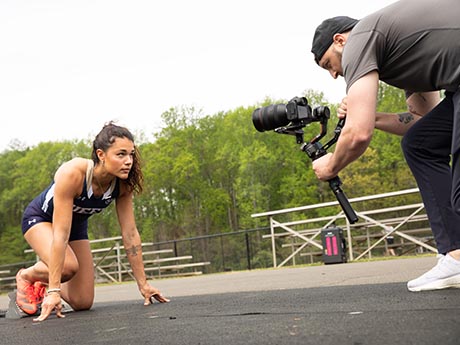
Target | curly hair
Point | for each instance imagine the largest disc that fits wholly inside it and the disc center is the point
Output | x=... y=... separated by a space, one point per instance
x=105 y=139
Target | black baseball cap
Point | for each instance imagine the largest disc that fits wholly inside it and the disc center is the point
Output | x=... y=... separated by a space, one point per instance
x=325 y=32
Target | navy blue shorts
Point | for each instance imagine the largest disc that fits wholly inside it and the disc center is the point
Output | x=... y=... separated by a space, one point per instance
x=32 y=216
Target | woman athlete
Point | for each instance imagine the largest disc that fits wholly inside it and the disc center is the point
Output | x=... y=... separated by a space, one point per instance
x=55 y=224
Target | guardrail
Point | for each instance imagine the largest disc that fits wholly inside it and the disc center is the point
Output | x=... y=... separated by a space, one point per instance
x=374 y=228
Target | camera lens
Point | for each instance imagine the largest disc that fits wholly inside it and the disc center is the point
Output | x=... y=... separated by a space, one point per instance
x=270 y=117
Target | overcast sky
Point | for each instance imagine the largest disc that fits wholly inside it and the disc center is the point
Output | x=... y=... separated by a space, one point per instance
x=67 y=67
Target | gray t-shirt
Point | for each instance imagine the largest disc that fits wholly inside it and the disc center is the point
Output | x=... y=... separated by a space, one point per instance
x=413 y=44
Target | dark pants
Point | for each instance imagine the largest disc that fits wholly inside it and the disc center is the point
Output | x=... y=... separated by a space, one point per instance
x=428 y=147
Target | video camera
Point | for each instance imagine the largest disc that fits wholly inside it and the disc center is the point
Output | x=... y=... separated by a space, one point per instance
x=290 y=119
x=297 y=112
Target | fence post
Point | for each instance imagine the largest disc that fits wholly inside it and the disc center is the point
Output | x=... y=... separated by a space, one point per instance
x=175 y=248
x=119 y=261
x=222 y=252
x=248 y=250
x=272 y=232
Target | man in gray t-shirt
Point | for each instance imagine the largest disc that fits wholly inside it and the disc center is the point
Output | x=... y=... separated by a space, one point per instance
x=415 y=46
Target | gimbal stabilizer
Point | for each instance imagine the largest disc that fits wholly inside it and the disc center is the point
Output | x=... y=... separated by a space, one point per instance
x=314 y=149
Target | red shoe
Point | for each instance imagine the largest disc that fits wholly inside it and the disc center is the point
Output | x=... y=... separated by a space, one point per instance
x=25 y=295
x=39 y=291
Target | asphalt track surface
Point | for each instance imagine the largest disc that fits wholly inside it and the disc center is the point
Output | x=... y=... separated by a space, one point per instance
x=354 y=303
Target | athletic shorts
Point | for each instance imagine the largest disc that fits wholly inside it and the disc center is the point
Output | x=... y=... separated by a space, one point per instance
x=32 y=216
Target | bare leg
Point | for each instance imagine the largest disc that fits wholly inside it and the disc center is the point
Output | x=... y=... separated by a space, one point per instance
x=79 y=291
x=40 y=238
x=78 y=273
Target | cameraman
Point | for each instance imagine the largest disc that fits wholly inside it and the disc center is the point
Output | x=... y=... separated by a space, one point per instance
x=412 y=45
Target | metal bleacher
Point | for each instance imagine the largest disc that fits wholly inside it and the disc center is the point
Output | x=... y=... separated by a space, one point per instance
x=407 y=223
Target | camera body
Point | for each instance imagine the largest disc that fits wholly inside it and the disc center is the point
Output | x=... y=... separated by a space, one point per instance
x=297 y=113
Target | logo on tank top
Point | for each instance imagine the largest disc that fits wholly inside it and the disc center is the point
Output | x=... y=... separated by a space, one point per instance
x=86 y=210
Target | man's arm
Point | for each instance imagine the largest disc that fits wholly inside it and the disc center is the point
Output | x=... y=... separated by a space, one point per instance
x=418 y=104
x=357 y=132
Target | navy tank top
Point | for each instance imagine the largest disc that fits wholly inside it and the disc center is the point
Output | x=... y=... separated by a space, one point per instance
x=84 y=205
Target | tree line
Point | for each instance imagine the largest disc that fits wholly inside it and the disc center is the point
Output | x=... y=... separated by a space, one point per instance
x=206 y=174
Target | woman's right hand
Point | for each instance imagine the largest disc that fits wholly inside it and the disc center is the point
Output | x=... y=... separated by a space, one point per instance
x=51 y=302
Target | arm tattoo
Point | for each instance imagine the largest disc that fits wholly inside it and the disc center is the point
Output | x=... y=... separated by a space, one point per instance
x=134 y=250
x=405 y=118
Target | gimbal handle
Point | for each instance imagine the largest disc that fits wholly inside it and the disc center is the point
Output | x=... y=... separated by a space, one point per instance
x=335 y=183
x=314 y=149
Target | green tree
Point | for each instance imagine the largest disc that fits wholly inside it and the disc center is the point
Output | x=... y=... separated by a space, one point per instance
x=207 y=174
x=24 y=174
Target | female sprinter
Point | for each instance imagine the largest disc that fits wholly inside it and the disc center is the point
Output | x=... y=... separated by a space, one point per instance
x=55 y=224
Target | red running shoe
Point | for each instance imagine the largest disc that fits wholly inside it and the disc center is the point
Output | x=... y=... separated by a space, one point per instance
x=39 y=291
x=25 y=295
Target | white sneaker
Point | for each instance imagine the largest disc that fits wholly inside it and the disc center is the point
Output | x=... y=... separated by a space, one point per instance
x=446 y=274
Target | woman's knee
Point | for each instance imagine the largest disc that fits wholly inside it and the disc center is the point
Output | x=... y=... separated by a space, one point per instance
x=80 y=305
x=78 y=299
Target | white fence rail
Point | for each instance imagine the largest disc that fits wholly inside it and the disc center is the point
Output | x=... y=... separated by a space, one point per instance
x=374 y=226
